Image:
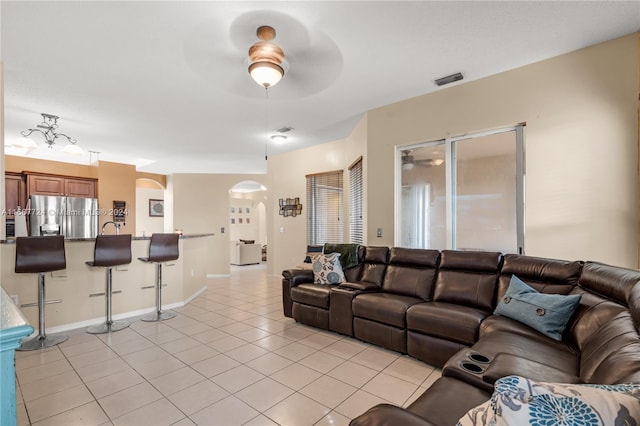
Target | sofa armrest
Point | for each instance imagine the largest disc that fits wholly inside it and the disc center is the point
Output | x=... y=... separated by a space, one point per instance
x=360 y=286
x=506 y=365
x=389 y=415
x=298 y=276
x=290 y=279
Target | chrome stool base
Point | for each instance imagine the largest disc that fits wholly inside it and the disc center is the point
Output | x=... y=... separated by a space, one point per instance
x=40 y=342
x=108 y=328
x=158 y=316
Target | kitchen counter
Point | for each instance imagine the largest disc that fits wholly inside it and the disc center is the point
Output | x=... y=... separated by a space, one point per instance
x=134 y=238
x=185 y=278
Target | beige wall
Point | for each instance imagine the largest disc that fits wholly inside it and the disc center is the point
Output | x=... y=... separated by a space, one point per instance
x=145 y=224
x=17 y=164
x=200 y=204
x=581 y=147
x=117 y=182
x=288 y=238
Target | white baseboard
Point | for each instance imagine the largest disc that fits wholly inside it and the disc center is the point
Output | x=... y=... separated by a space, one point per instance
x=218 y=275
x=196 y=294
x=125 y=315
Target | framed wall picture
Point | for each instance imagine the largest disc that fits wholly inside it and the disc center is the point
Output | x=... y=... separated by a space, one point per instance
x=248 y=221
x=156 y=208
x=233 y=209
x=240 y=221
x=248 y=210
x=239 y=209
x=233 y=220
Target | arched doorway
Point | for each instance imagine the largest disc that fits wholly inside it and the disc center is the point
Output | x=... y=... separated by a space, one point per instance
x=149 y=207
x=247 y=213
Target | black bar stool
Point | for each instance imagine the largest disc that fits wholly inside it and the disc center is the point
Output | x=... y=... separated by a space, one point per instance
x=162 y=248
x=37 y=255
x=110 y=251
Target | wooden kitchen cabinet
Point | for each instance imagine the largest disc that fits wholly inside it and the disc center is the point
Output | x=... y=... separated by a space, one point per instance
x=15 y=193
x=45 y=185
x=85 y=188
x=42 y=184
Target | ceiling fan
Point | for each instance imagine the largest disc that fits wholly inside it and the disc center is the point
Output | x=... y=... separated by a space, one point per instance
x=408 y=161
x=312 y=62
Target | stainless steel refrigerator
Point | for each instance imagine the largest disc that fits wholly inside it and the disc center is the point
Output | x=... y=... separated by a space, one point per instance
x=69 y=216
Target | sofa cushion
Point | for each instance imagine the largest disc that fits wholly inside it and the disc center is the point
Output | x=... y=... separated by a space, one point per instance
x=411 y=272
x=545 y=275
x=547 y=313
x=383 y=307
x=312 y=294
x=467 y=278
x=446 y=400
x=374 y=265
x=543 y=350
x=451 y=322
x=612 y=354
x=519 y=401
x=593 y=312
x=327 y=269
x=495 y=323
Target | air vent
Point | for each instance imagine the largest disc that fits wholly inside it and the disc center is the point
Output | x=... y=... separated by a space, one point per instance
x=449 y=79
x=284 y=129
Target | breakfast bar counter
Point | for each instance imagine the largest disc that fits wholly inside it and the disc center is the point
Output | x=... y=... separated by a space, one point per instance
x=185 y=278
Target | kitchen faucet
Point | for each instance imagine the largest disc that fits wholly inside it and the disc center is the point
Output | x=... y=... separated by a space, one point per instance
x=117 y=225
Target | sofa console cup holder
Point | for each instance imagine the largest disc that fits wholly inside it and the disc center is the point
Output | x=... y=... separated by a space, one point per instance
x=479 y=358
x=471 y=367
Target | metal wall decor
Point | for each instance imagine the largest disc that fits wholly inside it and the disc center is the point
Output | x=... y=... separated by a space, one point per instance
x=290 y=207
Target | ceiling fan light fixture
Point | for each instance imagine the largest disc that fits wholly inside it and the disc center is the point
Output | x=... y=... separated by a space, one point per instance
x=266 y=73
x=266 y=58
x=279 y=139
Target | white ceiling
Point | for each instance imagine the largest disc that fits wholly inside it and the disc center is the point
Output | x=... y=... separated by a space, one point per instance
x=167 y=82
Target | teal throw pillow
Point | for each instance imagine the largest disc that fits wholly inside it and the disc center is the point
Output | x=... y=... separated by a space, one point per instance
x=546 y=313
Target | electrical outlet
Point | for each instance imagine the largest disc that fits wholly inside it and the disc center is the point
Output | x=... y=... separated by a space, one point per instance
x=14 y=297
x=379 y=233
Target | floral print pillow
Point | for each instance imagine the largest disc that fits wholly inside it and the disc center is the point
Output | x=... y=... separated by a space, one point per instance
x=327 y=269
x=521 y=401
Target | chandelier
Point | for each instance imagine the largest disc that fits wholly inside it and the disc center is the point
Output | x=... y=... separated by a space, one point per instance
x=48 y=129
x=266 y=58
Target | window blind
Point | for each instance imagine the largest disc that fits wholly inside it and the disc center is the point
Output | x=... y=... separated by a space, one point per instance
x=356 y=223
x=324 y=198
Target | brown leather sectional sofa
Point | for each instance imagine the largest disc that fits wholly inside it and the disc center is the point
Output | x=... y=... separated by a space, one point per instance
x=438 y=306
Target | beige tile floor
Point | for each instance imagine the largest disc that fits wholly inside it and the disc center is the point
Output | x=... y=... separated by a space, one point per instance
x=230 y=357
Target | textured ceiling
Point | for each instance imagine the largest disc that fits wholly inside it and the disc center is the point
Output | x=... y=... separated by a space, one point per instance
x=165 y=83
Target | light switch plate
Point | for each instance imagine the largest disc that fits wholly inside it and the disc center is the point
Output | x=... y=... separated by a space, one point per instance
x=379 y=233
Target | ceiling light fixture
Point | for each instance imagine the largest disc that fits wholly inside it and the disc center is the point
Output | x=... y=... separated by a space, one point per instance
x=48 y=129
x=266 y=58
x=24 y=143
x=279 y=138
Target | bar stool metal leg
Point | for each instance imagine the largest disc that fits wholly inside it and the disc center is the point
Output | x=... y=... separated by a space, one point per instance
x=41 y=341
x=110 y=325
x=159 y=314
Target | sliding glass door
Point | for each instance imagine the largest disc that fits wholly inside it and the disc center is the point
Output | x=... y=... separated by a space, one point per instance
x=462 y=193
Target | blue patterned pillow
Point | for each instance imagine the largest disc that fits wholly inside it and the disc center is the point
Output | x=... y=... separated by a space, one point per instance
x=547 y=313
x=520 y=401
x=327 y=269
